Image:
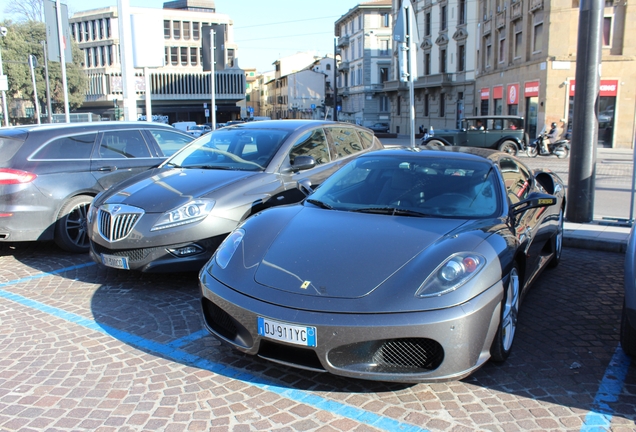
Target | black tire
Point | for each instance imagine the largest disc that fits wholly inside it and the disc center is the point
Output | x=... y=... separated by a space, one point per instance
x=628 y=335
x=532 y=151
x=563 y=153
x=557 y=243
x=502 y=344
x=509 y=147
x=71 y=230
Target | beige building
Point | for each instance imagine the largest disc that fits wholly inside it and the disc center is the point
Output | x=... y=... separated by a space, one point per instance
x=364 y=44
x=445 y=70
x=526 y=62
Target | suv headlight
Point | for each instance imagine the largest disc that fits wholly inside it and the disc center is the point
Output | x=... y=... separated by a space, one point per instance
x=191 y=212
x=451 y=274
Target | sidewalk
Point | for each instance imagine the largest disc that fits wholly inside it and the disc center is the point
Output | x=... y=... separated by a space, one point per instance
x=596 y=235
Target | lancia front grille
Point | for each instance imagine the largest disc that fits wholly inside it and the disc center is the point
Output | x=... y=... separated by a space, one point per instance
x=116 y=221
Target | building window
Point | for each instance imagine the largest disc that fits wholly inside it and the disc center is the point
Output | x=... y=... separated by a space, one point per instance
x=174 y=56
x=427 y=24
x=518 y=39
x=384 y=74
x=166 y=60
x=360 y=47
x=442 y=60
x=607 y=31
x=328 y=66
x=426 y=105
x=488 y=52
x=102 y=56
x=442 y=105
x=195 y=30
x=93 y=30
x=109 y=54
x=443 y=22
x=384 y=47
x=186 y=30
x=359 y=79
x=100 y=28
x=427 y=63
x=502 y=49
x=399 y=105
x=385 y=20
x=176 y=30
x=461 y=58
x=184 y=56
x=384 y=104
x=537 y=33
x=166 y=29
x=107 y=26
x=462 y=12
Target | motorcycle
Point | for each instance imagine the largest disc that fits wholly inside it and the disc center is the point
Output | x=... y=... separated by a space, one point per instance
x=559 y=148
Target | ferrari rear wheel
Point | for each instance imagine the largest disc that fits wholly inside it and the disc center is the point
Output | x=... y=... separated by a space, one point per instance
x=502 y=345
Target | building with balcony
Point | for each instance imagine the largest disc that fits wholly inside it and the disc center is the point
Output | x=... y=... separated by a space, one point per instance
x=444 y=87
x=526 y=65
x=180 y=89
x=364 y=36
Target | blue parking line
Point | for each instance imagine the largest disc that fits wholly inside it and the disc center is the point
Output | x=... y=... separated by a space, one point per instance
x=611 y=386
x=181 y=342
x=168 y=351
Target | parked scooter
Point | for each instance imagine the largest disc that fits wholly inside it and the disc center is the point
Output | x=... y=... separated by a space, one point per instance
x=560 y=148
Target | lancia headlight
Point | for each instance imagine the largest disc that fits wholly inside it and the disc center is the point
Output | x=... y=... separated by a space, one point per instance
x=452 y=274
x=225 y=252
x=191 y=212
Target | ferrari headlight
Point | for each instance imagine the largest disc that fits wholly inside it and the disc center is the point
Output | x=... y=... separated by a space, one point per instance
x=192 y=211
x=225 y=252
x=451 y=274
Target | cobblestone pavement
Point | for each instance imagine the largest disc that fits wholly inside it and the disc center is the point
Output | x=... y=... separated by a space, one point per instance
x=86 y=348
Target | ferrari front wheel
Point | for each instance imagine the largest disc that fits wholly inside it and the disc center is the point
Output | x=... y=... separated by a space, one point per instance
x=502 y=345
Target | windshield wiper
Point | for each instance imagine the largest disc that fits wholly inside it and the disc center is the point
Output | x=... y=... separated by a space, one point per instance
x=209 y=167
x=174 y=165
x=319 y=203
x=391 y=211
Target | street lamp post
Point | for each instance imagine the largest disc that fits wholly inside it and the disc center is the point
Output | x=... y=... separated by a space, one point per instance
x=3 y=83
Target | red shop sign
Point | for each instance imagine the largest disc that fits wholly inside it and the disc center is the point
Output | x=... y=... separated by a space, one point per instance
x=531 y=88
x=607 y=87
x=485 y=93
x=513 y=94
x=497 y=92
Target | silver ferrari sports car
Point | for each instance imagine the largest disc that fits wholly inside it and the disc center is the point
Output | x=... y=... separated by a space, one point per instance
x=406 y=265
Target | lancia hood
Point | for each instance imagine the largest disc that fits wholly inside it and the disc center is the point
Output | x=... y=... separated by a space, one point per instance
x=164 y=189
x=345 y=255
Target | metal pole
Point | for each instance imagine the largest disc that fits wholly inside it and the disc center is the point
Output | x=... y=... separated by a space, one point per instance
x=48 y=88
x=4 y=97
x=35 y=88
x=335 y=84
x=212 y=79
x=581 y=178
x=148 y=103
x=60 y=39
x=411 y=61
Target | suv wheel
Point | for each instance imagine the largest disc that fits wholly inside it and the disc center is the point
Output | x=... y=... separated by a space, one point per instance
x=509 y=147
x=71 y=231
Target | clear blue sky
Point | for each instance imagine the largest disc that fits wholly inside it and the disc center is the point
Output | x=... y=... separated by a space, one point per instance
x=264 y=30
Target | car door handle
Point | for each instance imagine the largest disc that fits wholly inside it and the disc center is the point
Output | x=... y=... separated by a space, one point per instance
x=107 y=168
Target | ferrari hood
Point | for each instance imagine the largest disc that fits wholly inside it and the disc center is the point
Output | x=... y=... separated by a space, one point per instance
x=344 y=254
x=165 y=189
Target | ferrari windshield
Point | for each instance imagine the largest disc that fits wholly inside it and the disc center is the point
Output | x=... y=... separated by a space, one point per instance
x=231 y=148
x=413 y=185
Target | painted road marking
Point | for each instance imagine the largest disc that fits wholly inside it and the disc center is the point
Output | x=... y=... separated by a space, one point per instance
x=168 y=351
